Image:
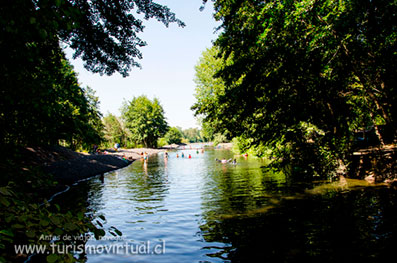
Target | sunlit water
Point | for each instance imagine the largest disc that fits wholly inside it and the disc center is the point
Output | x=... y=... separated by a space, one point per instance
x=199 y=210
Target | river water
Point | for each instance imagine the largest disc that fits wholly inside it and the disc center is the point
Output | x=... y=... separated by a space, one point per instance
x=199 y=210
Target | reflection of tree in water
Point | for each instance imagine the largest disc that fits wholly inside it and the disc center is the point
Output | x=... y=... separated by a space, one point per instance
x=86 y=194
x=148 y=182
x=354 y=226
x=234 y=189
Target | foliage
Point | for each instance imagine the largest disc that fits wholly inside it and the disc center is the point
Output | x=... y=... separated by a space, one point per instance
x=219 y=138
x=115 y=131
x=173 y=135
x=290 y=65
x=102 y=33
x=145 y=120
x=26 y=218
x=207 y=132
x=41 y=101
x=208 y=89
x=161 y=142
x=192 y=135
x=90 y=126
x=47 y=105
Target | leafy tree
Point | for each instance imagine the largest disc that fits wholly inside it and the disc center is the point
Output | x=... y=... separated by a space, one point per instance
x=219 y=138
x=192 y=135
x=41 y=101
x=145 y=120
x=115 y=132
x=173 y=135
x=103 y=33
x=297 y=64
x=37 y=100
x=208 y=89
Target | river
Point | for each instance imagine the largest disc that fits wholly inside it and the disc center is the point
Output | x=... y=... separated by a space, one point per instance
x=199 y=210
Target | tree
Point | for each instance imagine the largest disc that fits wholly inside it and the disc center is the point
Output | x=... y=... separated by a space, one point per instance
x=173 y=135
x=192 y=134
x=103 y=33
x=208 y=89
x=91 y=126
x=300 y=64
x=38 y=95
x=115 y=131
x=145 y=120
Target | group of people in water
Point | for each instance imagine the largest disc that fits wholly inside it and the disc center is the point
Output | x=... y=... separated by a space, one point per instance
x=232 y=161
x=189 y=156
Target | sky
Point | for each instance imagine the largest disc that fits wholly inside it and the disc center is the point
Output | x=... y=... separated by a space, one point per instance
x=167 y=66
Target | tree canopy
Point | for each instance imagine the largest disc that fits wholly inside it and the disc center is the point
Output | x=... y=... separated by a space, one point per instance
x=304 y=71
x=41 y=101
x=145 y=120
x=103 y=33
x=115 y=132
x=173 y=135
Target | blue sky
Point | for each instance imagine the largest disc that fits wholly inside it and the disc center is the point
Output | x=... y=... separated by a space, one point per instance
x=167 y=65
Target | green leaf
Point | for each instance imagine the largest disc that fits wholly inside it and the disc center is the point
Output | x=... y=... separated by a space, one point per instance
x=44 y=222
x=10 y=218
x=55 y=220
x=80 y=216
x=58 y=231
x=52 y=258
x=70 y=227
x=30 y=234
x=7 y=232
x=5 y=191
x=4 y=201
x=18 y=226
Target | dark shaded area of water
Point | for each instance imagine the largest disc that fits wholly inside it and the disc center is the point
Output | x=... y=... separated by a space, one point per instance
x=204 y=211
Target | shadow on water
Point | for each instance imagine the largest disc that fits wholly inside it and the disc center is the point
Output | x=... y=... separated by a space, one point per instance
x=323 y=224
x=212 y=212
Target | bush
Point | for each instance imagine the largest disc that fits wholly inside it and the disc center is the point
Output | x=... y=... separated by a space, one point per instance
x=161 y=142
x=173 y=135
x=219 y=138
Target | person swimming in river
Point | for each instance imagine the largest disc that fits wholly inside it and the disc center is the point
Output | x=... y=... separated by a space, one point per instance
x=190 y=157
x=183 y=155
x=224 y=160
x=166 y=155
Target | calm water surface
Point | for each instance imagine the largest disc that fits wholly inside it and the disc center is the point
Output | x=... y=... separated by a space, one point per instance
x=198 y=210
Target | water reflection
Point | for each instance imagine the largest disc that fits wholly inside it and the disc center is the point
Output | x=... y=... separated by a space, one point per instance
x=212 y=212
x=356 y=226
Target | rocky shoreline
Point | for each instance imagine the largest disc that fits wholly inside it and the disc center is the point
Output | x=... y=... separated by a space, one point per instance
x=68 y=166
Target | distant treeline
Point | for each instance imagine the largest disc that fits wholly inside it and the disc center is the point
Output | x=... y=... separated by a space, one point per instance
x=143 y=124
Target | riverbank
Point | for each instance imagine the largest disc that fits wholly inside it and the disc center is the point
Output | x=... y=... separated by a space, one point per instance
x=68 y=166
x=375 y=164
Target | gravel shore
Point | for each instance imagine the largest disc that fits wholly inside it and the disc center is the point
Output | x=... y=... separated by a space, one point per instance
x=68 y=167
